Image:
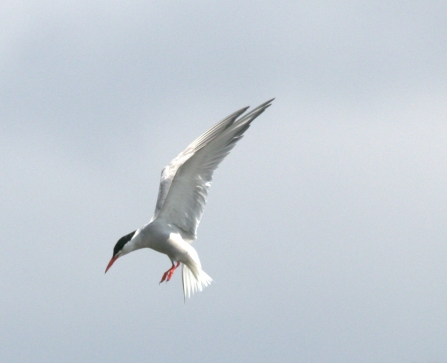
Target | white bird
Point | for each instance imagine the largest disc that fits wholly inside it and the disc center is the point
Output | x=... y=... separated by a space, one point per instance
x=181 y=199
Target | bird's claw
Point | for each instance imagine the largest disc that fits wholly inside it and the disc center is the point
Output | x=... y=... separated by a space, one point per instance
x=163 y=278
x=168 y=274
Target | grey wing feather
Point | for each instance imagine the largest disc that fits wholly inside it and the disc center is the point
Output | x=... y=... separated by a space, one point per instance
x=186 y=180
x=169 y=171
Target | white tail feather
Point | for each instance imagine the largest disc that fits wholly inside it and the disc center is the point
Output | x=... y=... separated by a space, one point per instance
x=194 y=279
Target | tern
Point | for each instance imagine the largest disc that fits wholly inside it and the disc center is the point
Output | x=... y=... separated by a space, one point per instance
x=182 y=195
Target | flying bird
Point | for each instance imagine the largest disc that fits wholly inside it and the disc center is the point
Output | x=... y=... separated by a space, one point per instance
x=181 y=200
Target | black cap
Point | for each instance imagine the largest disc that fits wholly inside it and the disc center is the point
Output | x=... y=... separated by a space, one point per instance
x=121 y=242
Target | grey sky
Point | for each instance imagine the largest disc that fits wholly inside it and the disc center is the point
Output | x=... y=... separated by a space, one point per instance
x=325 y=229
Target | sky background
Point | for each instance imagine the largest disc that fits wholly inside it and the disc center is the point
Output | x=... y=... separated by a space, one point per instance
x=325 y=229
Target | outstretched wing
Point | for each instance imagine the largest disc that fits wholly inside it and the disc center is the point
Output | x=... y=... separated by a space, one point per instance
x=186 y=180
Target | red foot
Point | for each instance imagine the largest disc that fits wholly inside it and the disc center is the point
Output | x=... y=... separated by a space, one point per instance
x=168 y=274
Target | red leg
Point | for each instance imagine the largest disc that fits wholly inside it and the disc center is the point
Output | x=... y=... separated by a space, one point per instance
x=171 y=271
x=168 y=274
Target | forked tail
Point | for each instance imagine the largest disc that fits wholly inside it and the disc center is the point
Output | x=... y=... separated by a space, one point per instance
x=194 y=279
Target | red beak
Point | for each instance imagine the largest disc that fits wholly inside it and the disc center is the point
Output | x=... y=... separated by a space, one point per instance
x=114 y=258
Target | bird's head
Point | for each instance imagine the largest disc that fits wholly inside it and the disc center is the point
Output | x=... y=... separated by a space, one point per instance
x=122 y=247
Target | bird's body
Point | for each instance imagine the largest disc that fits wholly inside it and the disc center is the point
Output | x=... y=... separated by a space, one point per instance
x=181 y=199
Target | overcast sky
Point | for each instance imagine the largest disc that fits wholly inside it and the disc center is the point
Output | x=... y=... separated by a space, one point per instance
x=325 y=229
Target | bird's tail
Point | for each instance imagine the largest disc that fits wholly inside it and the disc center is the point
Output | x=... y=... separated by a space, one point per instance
x=194 y=278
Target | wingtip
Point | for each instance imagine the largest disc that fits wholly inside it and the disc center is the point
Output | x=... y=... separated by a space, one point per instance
x=264 y=105
x=267 y=103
